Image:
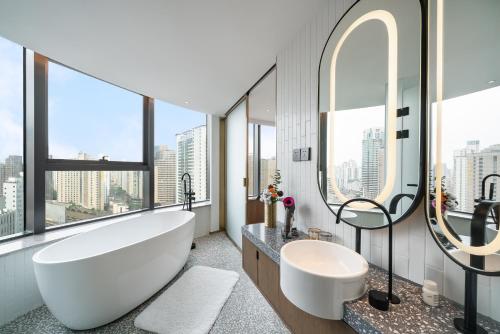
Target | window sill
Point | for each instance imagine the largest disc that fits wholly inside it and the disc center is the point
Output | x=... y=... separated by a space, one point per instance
x=34 y=240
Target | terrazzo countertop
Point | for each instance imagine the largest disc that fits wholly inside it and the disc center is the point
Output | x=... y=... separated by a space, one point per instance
x=411 y=316
x=268 y=240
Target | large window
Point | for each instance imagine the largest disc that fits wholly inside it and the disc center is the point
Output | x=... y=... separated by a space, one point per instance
x=90 y=119
x=93 y=149
x=95 y=132
x=11 y=138
x=180 y=147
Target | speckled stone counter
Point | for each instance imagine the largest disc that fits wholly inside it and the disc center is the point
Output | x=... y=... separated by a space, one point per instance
x=268 y=240
x=411 y=316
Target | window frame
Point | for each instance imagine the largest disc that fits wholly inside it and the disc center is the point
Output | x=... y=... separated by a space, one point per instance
x=25 y=231
x=256 y=160
x=36 y=162
x=42 y=163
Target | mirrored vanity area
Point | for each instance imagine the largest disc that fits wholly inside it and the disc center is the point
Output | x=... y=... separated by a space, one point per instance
x=371 y=103
x=408 y=95
x=462 y=205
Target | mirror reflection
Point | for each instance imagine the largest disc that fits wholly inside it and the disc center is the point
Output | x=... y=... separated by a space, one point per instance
x=370 y=111
x=464 y=147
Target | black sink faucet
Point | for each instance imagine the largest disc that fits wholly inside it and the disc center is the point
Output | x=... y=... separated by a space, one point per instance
x=378 y=299
x=496 y=212
x=188 y=193
x=395 y=201
x=468 y=324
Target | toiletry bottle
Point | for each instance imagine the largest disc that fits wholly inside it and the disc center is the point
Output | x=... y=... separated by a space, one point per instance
x=430 y=293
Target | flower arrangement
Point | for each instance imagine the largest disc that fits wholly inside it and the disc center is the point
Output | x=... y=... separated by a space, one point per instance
x=448 y=200
x=272 y=194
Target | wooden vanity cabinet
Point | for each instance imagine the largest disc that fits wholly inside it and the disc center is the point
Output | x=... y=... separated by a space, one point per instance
x=265 y=273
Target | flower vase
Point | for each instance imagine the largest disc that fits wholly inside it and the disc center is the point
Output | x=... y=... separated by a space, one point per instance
x=270 y=215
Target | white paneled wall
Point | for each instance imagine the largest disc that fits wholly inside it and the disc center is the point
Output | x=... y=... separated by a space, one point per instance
x=416 y=254
x=18 y=291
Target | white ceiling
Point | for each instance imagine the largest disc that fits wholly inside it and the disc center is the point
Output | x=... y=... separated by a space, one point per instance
x=208 y=53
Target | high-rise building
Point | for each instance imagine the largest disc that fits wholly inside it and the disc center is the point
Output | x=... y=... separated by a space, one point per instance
x=165 y=175
x=192 y=159
x=267 y=170
x=13 y=193
x=68 y=186
x=13 y=166
x=470 y=166
x=463 y=180
x=94 y=190
x=372 y=162
x=347 y=173
x=7 y=223
x=135 y=185
x=88 y=189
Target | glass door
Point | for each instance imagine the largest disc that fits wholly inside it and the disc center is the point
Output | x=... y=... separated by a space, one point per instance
x=236 y=171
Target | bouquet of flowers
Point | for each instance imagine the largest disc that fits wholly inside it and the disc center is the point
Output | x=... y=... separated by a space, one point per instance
x=448 y=200
x=272 y=194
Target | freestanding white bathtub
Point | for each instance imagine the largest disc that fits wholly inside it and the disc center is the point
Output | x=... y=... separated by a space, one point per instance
x=95 y=277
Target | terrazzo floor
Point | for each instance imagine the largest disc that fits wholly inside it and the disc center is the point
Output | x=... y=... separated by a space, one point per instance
x=246 y=310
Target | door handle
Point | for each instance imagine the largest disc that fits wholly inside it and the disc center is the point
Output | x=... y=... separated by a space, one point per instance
x=244 y=182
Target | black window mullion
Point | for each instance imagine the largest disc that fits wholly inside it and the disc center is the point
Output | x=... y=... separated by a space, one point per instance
x=40 y=134
x=90 y=165
x=148 y=152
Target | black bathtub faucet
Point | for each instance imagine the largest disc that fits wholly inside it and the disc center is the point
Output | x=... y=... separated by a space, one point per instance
x=188 y=197
x=188 y=193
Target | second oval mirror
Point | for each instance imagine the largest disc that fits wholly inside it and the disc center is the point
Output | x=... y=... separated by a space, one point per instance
x=370 y=110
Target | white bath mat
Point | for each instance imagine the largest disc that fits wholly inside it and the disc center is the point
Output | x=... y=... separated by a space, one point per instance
x=191 y=305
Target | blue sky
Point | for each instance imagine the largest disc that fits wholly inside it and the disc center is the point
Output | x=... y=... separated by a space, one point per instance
x=97 y=118
x=11 y=99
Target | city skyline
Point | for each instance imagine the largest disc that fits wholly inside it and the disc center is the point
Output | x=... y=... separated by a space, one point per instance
x=78 y=195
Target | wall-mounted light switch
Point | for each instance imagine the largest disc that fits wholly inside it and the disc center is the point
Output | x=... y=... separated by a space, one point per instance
x=296 y=154
x=305 y=154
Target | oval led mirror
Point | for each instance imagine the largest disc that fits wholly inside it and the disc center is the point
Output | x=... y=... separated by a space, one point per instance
x=463 y=206
x=371 y=111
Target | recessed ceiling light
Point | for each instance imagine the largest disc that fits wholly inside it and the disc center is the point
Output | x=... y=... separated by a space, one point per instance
x=491 y=82
x=186 y=102
x=268 y=110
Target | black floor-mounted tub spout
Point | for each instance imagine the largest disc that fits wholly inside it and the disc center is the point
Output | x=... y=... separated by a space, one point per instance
x=378 y=299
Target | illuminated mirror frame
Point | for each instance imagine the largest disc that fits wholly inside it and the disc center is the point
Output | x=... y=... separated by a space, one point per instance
x=493 y=246
x=388 y=19
x=392 y=100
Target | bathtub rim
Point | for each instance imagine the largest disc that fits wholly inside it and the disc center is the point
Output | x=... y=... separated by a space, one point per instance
x=35 y=258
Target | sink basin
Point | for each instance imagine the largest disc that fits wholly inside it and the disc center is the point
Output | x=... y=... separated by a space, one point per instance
x=318 y=276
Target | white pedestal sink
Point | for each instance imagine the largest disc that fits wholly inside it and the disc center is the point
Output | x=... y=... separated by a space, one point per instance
x=318 y=276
